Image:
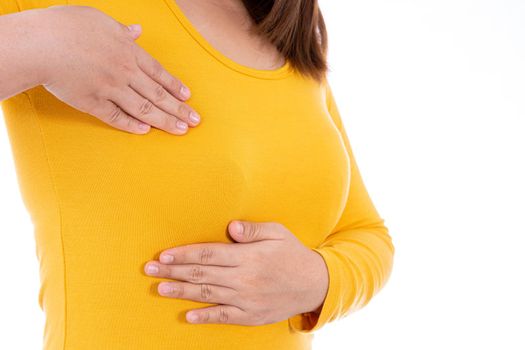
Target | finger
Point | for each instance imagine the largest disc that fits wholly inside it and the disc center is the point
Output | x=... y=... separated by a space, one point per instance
x=144 y=110
x=157 y=94
x=194 y=273
x=221 y=254
x=251 y=231
x=135 y=30
x=113 y=115
x=204 y=293
x=224 y=314
x=154 y=69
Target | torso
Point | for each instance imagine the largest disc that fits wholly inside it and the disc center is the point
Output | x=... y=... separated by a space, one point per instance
x=104 y=201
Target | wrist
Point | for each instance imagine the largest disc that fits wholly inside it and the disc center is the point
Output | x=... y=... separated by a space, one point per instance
x=46 y=47
x=35 y=45
x=320 y=282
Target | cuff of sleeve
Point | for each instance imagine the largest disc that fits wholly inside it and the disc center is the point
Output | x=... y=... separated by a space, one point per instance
x=309 y=322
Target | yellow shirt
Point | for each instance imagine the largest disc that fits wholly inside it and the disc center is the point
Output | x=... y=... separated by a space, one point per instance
x=271 y=147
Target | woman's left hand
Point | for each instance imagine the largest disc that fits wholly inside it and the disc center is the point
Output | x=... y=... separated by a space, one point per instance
x=267 y=277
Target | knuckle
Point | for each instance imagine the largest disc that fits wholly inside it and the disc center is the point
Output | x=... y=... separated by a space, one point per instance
x=178 y=290
x=130 y=123
x=181 y=109
x=223 y=314
x=169 y=272
x=174 y=84
x=197 y=274
x=121 y=57
x=145 y=107
x=112 y=81
x=252 y=231
x=157 y=70
x=127 y=67
x=205 y=292
x=160 y=93
x=169 y=123
x=115 y=115
x=206 y=254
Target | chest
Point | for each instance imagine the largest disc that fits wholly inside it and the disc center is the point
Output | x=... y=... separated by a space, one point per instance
x=266 y=149
x=229 y=28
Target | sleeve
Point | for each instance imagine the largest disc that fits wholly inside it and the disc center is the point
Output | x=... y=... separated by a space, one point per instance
x=8 y=6
x=358 y=252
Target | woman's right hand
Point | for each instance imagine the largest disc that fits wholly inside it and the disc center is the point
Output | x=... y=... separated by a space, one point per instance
x=93 y=64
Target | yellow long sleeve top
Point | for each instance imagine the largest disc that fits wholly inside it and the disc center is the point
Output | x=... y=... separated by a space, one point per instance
x=271 y=147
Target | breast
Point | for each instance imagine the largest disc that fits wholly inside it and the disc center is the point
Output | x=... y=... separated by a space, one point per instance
x=280 y=160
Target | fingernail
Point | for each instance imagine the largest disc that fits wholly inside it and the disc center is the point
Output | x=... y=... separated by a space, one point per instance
x=165 y=288
x=166 y=259
x=152 y=269
x=143 y=126
x=184 y=91
x=134 y=27
x=194 y=117
x=240 y=227
x=192 y=317
x=182 y=125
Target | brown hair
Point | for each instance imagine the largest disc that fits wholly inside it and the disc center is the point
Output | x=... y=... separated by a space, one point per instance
x=297 y=29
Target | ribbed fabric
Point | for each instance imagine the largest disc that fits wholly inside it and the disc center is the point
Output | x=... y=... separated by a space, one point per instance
x=271 y=147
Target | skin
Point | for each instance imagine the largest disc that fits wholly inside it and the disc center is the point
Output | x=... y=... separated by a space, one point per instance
x=227 y=26
x=118 y=82
x=267 y=274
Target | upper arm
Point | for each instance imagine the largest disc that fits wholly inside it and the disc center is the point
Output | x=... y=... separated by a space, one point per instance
x=359 y=211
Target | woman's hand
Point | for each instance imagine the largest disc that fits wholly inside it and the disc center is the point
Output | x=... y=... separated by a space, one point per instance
x=93 y=64
x=268 y=277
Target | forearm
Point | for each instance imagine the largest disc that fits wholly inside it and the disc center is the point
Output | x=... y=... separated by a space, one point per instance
x=358 y=253
x=21 y=53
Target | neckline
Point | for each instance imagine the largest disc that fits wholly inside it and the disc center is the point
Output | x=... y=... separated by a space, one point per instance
x=277 y=73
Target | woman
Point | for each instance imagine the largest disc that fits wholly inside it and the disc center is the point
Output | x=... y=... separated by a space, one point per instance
x=136 y=228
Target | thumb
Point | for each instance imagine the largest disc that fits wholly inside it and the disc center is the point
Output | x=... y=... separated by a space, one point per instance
x=135 y=30
x=248 y=231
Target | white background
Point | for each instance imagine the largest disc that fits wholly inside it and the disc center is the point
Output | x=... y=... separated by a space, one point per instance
x=432 y=97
